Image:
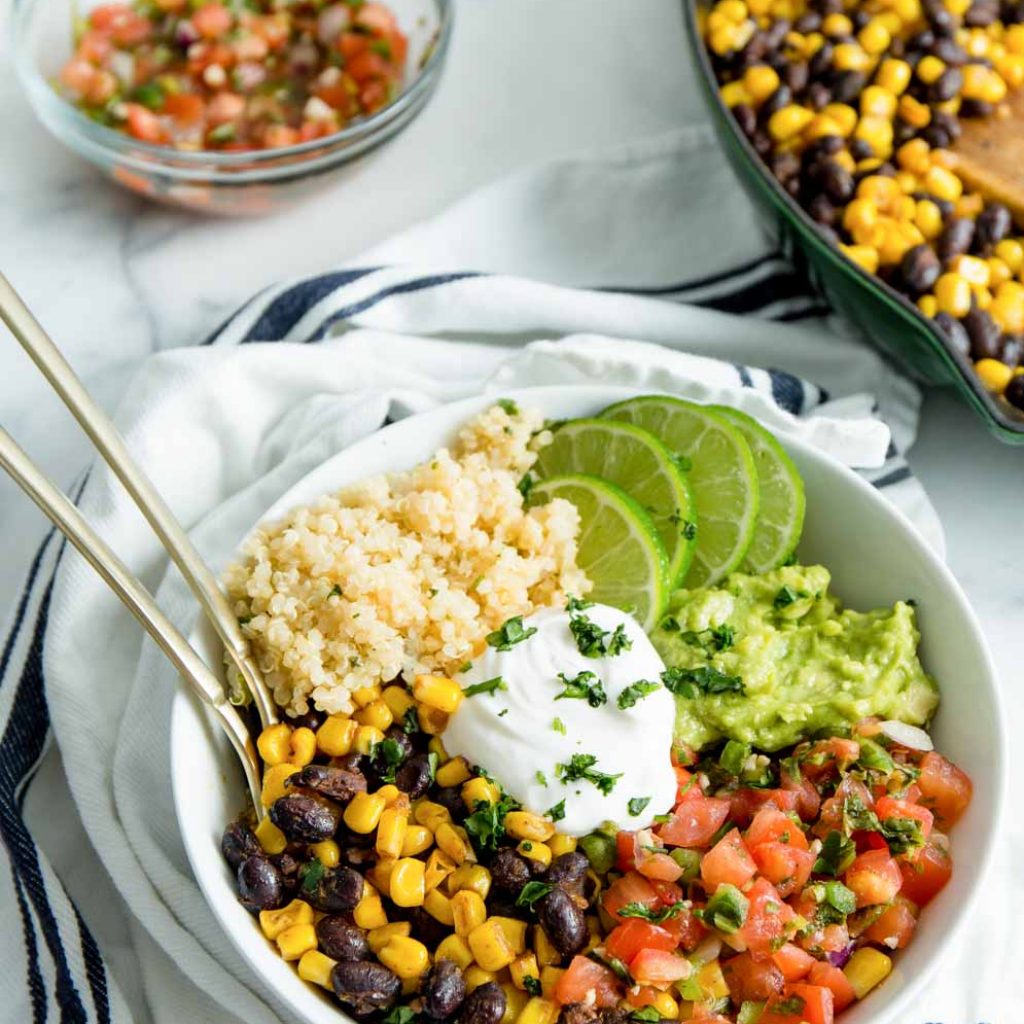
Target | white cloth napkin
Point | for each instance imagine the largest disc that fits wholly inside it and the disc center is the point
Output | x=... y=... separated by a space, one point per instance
x=225 y=428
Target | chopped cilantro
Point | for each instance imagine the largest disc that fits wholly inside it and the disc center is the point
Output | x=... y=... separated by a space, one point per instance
x=525 y=485
x=591 y=640
x=689 y=530
x=433 y=760
x=531 y=892
x=510 y=634
x=670 y=624
x=558 y=725
x=637 y=805
x=634 y=692
x=410 y=720
x=335 y=591
x=718 y=638
x=654 y=916
x=508 y=406
x=465 y=666
x=541 y=778
x=586 y=686
x=386 y=757
x=486 y=825
x=532 y=985
x=557 y=813
x=726 y=910
x=858 y=818
x=503 y=712
x=646 y=1015
x=787 y=596
x=791 y=1006
x=577 y=604
x=836 y=855
x=703 y=681
x=311 y=874
x=487 y=686
x=400 y=1015
x=902 y=834
x=581 y=766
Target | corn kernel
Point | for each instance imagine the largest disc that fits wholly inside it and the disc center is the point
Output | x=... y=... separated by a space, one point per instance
x=973 y=269
x=439 y=867
x=545 y=950
x=788 y=122
x=273 y=743
x=867 y=968
x=515 y=931
x=438 y=692
x=391 y=830
x=1010 y=250
x=843 y=114
x=406 y=884
x=452 y=840
x=336 y=736
x=366 y=738
x=432 y=720
x=526 y=825
x=908 y=185
x=436 y=746
x=928 y=218
x=377 y=714
x=531 y=849
x=315 y=967
x=454 y=773
x=539 y=1011
x=666 y=1006
x=874 y=37
x=488 y=941
x=456 y=949
x=473 y=877
x=380 y=873
x=881 y=190
x=930 y=69
x=982 y=297
x=735 y=94
x=293 y=942
x=877 y=102
x=327 y=852
x=363 y=812
x=561 y=843
x=928 y=305
x=378 y=938
x=877 y=133
x=894 y=75
x=428 y=813
x=406 y=956
x=515 y=1003
x=845 y=160
x=365 y=695
x=549 y=978
x=943 y=184
x=1007 y=312
x=914 y=156
x=523 y=967
x=914 y=112
x=273 y=922
x=953 y=295
x=850 y=57
x=369 y=912
x=271 y=839
x=479 y=789
x=969 y=205
x=982 y=83
x=273 y=782
x=761 y=81
x=733 y=10
x=476 y=976
x=418 y=839
x=398 y=700
x=469 y=912
x=863 y=256
x=394 y=797
x=837 y=25
x=821 y=126
x=993 y=374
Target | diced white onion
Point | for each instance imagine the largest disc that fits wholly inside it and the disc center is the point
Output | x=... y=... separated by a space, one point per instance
x=331 y=22
x=708 y=950
x=122 y=64
x=909 y=736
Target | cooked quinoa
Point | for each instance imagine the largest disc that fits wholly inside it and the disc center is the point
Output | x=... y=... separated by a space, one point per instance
x=407 y=572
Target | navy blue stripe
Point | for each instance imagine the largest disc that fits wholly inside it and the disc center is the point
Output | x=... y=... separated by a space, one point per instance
x=815 y=312
x=745 y=379
x=696 y=282
x=294 y=303
x=416 y=285
x=36 y=989
x=753 y=297
x=95 y=969
x=219 y=329
x=895 y=477
x=787 y=390
x=19 y=615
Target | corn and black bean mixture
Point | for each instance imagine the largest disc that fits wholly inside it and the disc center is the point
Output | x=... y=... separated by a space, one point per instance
x=855 y=107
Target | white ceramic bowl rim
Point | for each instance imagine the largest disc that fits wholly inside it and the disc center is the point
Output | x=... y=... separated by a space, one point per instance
x=401 y=445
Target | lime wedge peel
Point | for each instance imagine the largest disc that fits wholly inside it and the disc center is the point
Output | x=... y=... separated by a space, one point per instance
x=637 y=462
x=619 y=548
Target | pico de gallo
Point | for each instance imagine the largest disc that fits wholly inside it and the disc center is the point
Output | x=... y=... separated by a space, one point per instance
x=216 y=76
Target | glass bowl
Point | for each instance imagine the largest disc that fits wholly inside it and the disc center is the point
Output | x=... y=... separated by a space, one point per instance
x=219 y=182
x=885 y=317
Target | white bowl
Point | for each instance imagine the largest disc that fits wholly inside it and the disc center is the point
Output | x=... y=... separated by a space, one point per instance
x=875 y=557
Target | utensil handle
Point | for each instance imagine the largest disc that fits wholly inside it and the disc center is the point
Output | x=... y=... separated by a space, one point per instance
x=70 y=521
x=104 y=435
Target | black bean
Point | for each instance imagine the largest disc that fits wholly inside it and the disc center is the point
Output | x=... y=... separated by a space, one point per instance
x=484 y=1005
x=946 y=86
x=414 y=777
x=569 y=870
x=580 y=1013
x=351 y=762
x=426 y=927
x=948 y=122
x=1014 y=392
x=365 y=985
x=981 y=13
x=823 y=146
x=312 y=719
x=860 y=19
x=942 y=22
x=860 y=149
x=796 y=76
x=746 y=118
x=306 y=818
x=817 y=96
x=341 y=940
x=288 y=862
x=509 y=871
x=777 y=32
x=921 y=41
x=986 y=340
x=956 y=238
x=821 y=62
x=339 y=784
x=359 y=856
x=955 y=332
x=837 y=182
x=785 y=166
x=450 y=798
x=1011 y=352
x=975 y=108
x=238 y=842
x=259 y=884
x=761 y=142
x=822 y=211
x=809 y=22
x=992 y=225
x=337 y=891
x=936 y=136
x=949 y=52
x=443 y=990
x=563 y=921
x=782 y=97
x=848 y=85
x=920 y=269
x=902 y=132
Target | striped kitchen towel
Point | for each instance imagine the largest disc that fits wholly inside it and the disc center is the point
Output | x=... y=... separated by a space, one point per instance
x=300 y=371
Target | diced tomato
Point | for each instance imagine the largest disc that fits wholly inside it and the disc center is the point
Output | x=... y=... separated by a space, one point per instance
x=624 y=847
x=827 y=757
x=832 y=978
x=351 y=44
x=793 y=962
x=667 y=892
x=928 y=873
x=274 y=29
x=399 y=46
x=808 y=800
x=658 y=867
x=686 y=929
x=77 y=74
x=830 y=818
x=642 y=995
x=94 y=46
x=874 y=877
x=770 y=825
x=224 y=107
x=143 y=124
x=316 y=130
x=101 y=89
x=895 y=928
x=367 y=66
x=944 y=788
x=584 y=976
x=818 y=1004
x=186 y=108
x=105 y=16
x=376 y=17
x=212 y=20
x=275 y=135
x=627 y=939
x=659 y=968
x=756 y=980
x=729 y=861
x=130 y=29
x=767 y=918
x=630 y=888
x=787 y=867
x=890 y=807
x=695 y=821
x=745 y=803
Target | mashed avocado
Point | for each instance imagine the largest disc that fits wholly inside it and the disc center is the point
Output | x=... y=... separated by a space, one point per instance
x=769 y=660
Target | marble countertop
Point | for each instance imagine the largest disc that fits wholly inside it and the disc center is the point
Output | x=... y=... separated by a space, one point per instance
x=115 y=279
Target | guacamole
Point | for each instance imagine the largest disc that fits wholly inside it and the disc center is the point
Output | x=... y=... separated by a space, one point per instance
x=770 y=660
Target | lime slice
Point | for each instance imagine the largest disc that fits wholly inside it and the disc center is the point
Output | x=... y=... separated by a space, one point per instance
x=780 y=517
x=619 y=548
x=722 y=475
x=642 y=466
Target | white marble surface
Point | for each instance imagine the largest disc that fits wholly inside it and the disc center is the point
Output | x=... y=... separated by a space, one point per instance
x=115 y=279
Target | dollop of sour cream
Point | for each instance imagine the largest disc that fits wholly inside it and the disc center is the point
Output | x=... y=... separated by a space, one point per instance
x=524 y=736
